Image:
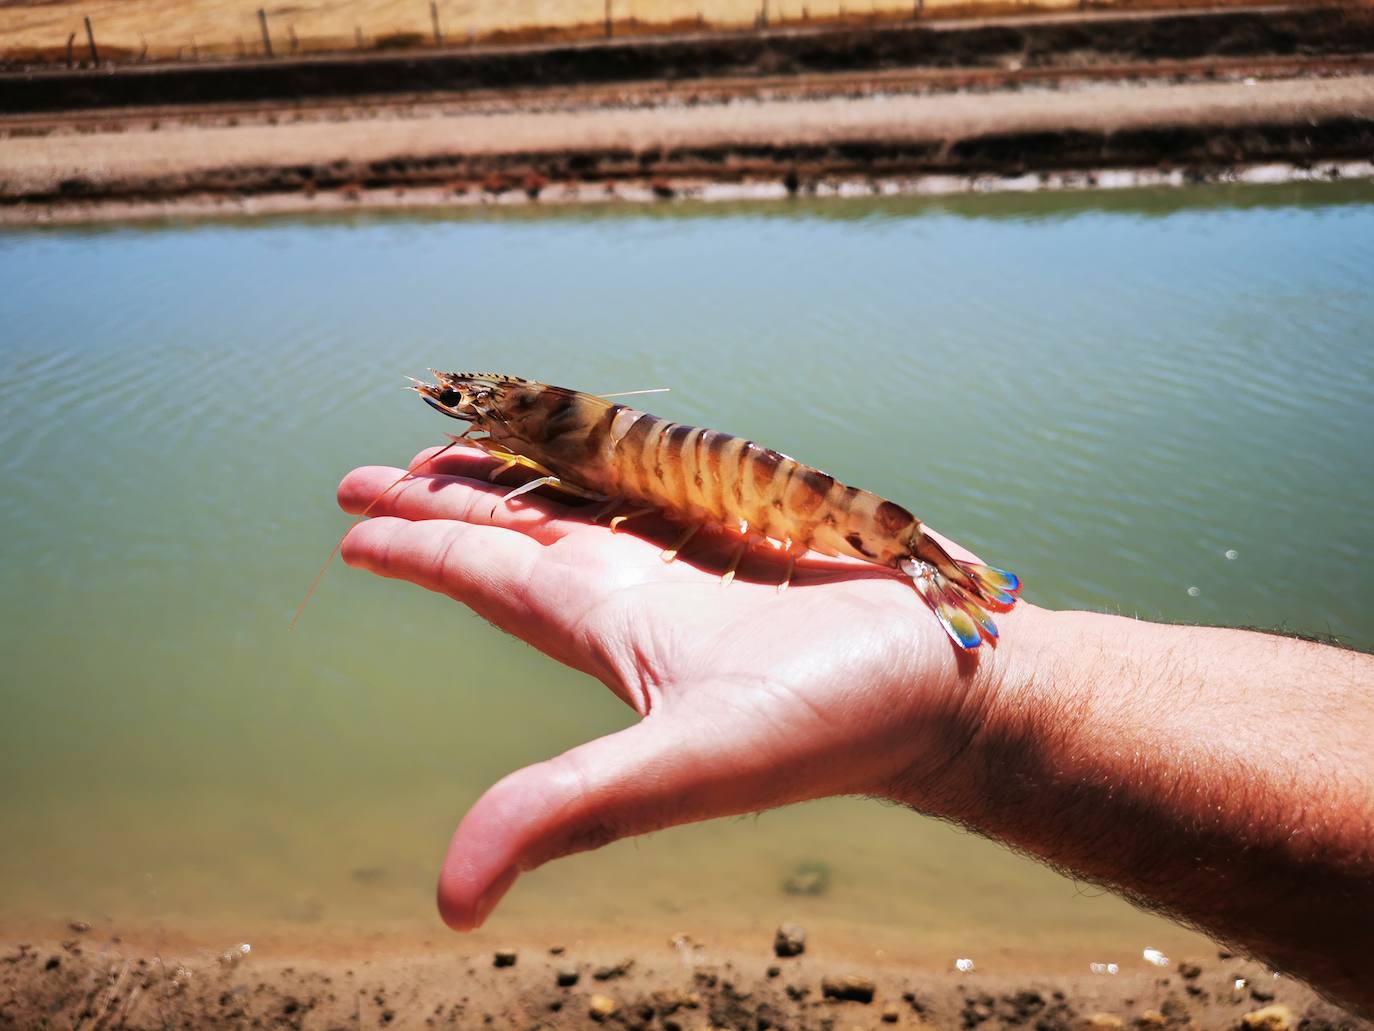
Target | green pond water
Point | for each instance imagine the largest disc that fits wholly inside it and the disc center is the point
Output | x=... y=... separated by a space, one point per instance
x=1158 y=403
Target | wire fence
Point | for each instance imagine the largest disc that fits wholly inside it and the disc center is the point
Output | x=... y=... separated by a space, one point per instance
x=157 y=32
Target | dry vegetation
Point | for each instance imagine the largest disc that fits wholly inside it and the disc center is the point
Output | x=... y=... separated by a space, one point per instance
x=43 y=30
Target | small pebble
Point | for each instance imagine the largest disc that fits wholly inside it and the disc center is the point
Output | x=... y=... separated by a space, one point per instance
x=601 y=1007
x=556 y=950
x=79 y=926
x=790 y=940
x=774 y=971
x=615 y=970
x=963 y=965
x=1277 y=1017
x=850 y=987
x=567 y=977
x=1189 y=971
x=503 y=958
x=1104 y=1021
x=891 y=1013
x=1151 y=1018
x=234 y=956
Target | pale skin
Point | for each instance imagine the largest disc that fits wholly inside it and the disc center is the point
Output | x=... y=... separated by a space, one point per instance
x=1222 y=776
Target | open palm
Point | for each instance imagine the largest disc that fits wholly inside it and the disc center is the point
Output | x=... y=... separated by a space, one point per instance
x=750 y=697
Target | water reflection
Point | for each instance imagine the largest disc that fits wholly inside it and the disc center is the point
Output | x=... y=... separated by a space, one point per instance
x=1119 y=395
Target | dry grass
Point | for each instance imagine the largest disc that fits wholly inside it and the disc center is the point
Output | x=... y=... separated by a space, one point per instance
x=167 y=29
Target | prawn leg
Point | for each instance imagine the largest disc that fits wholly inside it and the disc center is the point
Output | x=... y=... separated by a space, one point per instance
x=729 y=574
x=556 y=484
x=509 y=461
x=792 y=552
x=615 y=523
x=504 y=467
x=602 y=511
x=670 y=552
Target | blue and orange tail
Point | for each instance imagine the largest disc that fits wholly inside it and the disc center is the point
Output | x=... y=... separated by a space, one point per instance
x=961 y=593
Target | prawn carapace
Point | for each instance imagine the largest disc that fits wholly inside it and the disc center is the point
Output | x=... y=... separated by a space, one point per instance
x=599 y=450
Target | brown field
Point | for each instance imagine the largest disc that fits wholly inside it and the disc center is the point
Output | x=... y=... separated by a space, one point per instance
x=94 y=979
x=132 y=30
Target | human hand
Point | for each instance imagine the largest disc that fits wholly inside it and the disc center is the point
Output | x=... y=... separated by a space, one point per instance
x=845 y=683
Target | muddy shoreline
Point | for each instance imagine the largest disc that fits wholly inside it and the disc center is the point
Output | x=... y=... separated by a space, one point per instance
x=95 y=979
x=464 y=155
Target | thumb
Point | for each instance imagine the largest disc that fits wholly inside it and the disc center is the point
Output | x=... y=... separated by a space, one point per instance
x=658 y=773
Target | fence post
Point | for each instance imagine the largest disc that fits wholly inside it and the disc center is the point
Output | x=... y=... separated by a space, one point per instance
x=358 y=36
x=434 y=20
x=291 y=33
x=70 y=40
x=90 y=38
x=763 y=15
x=266 y=36
x=610 y=28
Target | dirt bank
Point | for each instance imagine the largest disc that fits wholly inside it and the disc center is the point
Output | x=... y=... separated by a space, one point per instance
x=670 y=149
x=94 y=980
x=1071 y=41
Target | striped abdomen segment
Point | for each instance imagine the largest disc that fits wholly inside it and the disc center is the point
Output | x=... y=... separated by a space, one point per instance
x=701 y=474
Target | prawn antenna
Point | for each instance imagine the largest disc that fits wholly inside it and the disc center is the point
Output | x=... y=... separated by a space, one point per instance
x=631 y=393
x=310 y=593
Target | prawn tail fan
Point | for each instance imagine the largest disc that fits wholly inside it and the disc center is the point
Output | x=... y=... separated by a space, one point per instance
x=961 y=593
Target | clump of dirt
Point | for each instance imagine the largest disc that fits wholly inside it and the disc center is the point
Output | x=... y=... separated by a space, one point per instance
x=98 y=981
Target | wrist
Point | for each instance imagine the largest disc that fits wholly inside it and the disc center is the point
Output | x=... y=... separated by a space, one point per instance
x=1017 y=692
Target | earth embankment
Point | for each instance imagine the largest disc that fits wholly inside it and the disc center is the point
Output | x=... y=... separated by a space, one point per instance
x=1074 y=41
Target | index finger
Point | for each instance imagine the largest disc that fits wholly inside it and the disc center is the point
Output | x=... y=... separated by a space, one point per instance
x=454 y=460
x=380 y=491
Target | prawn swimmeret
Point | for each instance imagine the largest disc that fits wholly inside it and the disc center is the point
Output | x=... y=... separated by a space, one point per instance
x=592 y=448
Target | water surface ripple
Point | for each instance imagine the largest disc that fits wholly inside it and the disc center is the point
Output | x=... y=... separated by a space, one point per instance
x=1109 y=394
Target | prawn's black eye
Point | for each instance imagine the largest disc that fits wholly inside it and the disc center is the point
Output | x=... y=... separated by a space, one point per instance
x=450 y=398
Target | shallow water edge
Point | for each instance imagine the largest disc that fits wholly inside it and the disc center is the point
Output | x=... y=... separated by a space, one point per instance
x=439 y=199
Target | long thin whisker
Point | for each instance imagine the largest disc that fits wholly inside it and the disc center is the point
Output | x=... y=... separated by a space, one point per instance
x=361 y=516
x=631 y=393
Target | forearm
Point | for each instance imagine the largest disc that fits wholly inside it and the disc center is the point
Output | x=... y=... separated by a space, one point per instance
x=1222 y=776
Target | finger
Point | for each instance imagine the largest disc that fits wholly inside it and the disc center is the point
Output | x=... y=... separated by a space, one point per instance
x=655 y=774
x=484 y=567
x=454 y=460
x=429 y=496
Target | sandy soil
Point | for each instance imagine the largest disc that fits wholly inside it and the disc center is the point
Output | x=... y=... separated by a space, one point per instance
x=93 y=979
x=159 y=29
x=31 y=164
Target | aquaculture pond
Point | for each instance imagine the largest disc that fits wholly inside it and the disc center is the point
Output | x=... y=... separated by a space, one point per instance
x=1158 y=403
